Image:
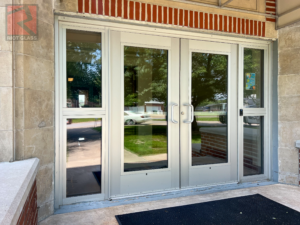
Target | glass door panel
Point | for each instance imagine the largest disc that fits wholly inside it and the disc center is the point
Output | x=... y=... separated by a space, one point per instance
x=145 y=108
x=209 y=99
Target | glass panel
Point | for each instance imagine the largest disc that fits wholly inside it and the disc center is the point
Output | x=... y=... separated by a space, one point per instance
x=209 y=98
x=253 y=145
x=145 y=108
x=253 y=78
x=84 y=156
x=84 y=69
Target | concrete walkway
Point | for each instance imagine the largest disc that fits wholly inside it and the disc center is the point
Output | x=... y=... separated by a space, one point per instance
x=284 y=194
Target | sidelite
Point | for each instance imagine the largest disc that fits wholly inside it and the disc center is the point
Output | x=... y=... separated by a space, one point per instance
x=145 y=108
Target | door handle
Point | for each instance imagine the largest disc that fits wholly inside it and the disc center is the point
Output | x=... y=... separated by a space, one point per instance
x=172 y=114
x=192 y=113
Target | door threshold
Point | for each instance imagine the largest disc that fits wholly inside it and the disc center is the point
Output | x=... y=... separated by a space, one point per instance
x=159 y=196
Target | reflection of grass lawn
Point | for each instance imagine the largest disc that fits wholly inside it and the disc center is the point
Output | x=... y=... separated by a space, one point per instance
x=207 y=118
x=80 y=120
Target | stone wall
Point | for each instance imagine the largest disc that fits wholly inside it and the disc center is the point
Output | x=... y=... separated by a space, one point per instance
x=289 y=103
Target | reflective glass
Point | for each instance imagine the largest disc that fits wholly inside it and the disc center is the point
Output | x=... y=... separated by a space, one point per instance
x=145 y=108
x=84 y=69
x=253 y=78
x=84 y=141
x=253 y=145
x=209 y=98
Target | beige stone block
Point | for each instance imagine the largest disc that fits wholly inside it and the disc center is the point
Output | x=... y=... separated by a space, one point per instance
x=44 y=182
x=19 y=70
x=6 y=69
x=289 y=38
x=4 y=44
x=288 y=85
x=288 y=133
x=4 y=2
x=288 y=179
x=67 y=5
x=289 y=108
x=39 y=108
x=45 y=210
x=6 y=146
x=38 y=73
x=288 y=160
x=6 y=110
x=39 y=143
x=19 y=108
x=289 y=61
x=270 y=30
x=43 y=48
x=19 y=144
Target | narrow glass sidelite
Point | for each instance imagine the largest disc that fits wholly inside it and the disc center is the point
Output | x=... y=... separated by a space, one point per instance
x=83 y=154
x=253 y=78
x=253 y=145
x=145 y=108
x=209 y=94
x=84 y=69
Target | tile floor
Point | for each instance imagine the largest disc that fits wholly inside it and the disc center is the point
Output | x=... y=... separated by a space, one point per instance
x=285 y=194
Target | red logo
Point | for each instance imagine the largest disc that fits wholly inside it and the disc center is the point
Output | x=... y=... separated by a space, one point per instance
x=21 y=22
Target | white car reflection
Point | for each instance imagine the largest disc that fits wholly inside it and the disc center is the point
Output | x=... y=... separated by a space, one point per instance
x=252 y=120
x=131 y=118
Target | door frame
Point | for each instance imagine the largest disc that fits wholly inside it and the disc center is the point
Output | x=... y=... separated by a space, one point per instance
x=73 y=21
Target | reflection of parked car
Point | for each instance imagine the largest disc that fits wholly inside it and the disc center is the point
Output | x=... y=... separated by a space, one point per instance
x=223 y=118
x=131 y=118
x=252 y=119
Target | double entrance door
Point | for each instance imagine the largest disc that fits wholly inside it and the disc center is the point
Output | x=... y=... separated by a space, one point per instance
x=173 y=115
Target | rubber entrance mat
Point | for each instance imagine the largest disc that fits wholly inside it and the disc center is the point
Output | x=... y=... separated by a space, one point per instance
x=253 y=209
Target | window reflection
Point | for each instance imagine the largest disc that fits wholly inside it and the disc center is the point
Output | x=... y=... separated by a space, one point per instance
x=209 y=98
x=84 y=69
x=253 y=145
x=253 y=78
x=84 y=141
x=145 y=108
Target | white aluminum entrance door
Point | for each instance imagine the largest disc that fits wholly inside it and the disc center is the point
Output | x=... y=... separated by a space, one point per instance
x=144 y=142
x=208 y=106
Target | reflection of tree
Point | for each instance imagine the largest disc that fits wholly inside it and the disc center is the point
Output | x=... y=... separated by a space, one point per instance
x=84 y=66
x=209 y=80
x=253 y=64
x=145 y=75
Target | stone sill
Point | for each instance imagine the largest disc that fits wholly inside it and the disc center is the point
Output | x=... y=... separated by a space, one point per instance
x=16 y=179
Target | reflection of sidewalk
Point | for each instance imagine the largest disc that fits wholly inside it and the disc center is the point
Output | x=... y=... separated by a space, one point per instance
x=130 y=157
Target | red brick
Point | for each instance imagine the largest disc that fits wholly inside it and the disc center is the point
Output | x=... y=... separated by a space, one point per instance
x=175 y=16
x=191 y=19
x=239 y=26
x=251 y=27
x=93 y=6
x=149 y=14
x=230 y=29
x=165 y=15
x=106 y=7
x=131 y=10
x=201 y=20
x=86 y=6
x=220 y=23
x=196 y=19
x=216 y=22
x=259 y=28
x=271 y=20
x=119 y=8
x=159 y=20
x=154 y=13
x=243 y=26
x=271 y=4
x=263 y=29
x=137 y=11
x=211 y=18
x=170 y=15
x=180 y=17
x=113 y=8
x=247 y=27
x=100 y=7
x=80 y=6
x=186 y=18
x=225 y=24
x=206 y=21
x=143 y=16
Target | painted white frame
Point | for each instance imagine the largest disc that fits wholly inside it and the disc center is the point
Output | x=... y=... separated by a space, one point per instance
x=73 y=20
x=62 y=113
x=264 y=112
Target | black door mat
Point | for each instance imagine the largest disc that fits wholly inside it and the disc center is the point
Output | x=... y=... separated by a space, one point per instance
x=253 y=209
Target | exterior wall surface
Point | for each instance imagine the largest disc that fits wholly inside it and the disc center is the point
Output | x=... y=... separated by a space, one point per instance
x=289 y=103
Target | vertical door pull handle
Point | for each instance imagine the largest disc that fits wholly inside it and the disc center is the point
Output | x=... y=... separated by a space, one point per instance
x=241 y=112
x=192 y=113
x=172 y=114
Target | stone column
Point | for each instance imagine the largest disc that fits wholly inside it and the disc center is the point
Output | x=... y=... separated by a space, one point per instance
x=289 y=103
x=6 y=89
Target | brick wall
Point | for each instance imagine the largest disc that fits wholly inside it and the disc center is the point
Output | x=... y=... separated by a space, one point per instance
x=159 y=14
x=29 y=214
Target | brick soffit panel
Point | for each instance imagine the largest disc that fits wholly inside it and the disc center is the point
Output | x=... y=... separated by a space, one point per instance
x=159 y=14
